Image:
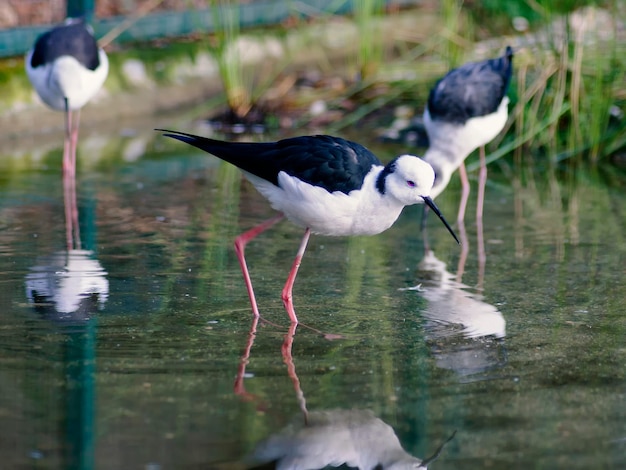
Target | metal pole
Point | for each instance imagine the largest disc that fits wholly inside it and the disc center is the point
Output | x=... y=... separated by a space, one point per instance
x=81 y=8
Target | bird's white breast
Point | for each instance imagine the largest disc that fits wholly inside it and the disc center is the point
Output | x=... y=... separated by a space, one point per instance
x=361 y=212
x=67 y=78
x=451 y=144
x=476 y=132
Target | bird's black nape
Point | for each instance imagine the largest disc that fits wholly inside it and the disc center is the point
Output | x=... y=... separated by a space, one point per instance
x=382 y=176
x=73 y=38
x=430 y=203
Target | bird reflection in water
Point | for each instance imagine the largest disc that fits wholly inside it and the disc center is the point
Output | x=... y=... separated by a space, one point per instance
x=465 y=332
x=67 y=288
x=67 y=68
x=318 y=439
x=69 y=285
x=355 y=438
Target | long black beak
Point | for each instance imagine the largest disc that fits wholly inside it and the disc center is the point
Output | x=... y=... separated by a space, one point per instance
x=430 y=203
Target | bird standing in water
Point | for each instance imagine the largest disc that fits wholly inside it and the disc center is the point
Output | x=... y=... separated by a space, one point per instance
x=67 y=68
x=466 y=109
x=328 y=185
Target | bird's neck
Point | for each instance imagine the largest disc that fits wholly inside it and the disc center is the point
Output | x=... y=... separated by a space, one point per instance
x=445 y=160
x=377 y=210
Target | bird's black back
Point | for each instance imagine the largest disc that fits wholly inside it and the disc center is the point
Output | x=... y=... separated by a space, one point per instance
x=472 y=90
x=332 y=163
x=73 y=39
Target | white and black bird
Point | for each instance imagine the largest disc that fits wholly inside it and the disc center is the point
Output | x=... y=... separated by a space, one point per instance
x=67 y=68
x=466 y=109
x=328 y=185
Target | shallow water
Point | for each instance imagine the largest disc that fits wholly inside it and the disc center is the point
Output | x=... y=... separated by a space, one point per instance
x=136 y=350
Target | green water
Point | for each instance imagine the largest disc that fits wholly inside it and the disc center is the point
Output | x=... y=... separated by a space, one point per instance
x=142 y=375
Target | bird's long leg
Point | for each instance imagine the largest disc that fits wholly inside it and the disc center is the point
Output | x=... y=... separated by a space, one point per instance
x=482 y=181
x=69 y=177
x=69 y=183
x=240 y=245
x=287 y=290
x=74 y=140
x=465 y=190
x=67 y=143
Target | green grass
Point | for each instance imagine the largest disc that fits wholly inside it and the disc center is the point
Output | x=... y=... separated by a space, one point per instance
x=565 y=89
x=223 y=44
x=370 y=50
x=573 y=80
x=568 y=82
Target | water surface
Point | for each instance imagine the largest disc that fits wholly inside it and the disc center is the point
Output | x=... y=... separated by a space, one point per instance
x=137 y=349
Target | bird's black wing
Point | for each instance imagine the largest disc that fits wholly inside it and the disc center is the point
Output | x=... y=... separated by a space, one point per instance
x=73 y=39
x=332 y=163
x=472 y=90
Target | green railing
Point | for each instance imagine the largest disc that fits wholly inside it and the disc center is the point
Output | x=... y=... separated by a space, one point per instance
x=17 y=41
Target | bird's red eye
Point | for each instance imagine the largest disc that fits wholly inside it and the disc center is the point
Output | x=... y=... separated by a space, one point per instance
x=410 y=183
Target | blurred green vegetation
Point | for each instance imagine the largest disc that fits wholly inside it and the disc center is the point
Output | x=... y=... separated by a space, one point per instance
x=568 y=96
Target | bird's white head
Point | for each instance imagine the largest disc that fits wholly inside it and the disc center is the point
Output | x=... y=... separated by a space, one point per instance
x=408 y=179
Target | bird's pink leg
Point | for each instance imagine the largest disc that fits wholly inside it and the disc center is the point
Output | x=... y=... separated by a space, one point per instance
x=67 y=144
x=287 y=290
x=482 y=181
x=74 y=140
x=69 y=178
x=240 y=245
x=465 y=190
x=69 y=182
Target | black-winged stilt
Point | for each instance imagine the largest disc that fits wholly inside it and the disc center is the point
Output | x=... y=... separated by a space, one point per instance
x=67 y=68
x=466 y=109
x=328 y=185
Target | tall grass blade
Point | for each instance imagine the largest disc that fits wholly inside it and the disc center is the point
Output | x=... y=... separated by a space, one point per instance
x=224 y=45
x=370 y=51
